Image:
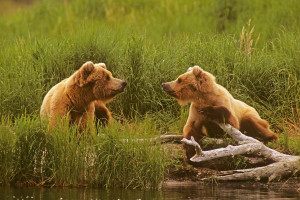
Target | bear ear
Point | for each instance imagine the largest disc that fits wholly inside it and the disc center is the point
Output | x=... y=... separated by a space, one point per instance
x=189 y=69
x=83 y=73
x=197 y=71
x=100 y=65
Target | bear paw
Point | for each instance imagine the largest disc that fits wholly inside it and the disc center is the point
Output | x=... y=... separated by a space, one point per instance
x=216 y=113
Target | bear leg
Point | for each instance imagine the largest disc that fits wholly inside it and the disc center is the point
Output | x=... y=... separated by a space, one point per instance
x=192 y=128
x=102 y=114
x=220 y=114
x=257 y=128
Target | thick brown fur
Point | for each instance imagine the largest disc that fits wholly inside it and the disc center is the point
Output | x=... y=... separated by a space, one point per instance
x=102 y=114
x=219 y=114
x=210 y=101
x=82 y=96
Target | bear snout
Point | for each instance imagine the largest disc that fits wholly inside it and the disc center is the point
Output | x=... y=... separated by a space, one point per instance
x=166 y=87
x=124 y=83
x=122 y=88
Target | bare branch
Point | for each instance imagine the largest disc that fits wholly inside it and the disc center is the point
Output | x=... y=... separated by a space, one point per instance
x=284 y=165
x=192 y=142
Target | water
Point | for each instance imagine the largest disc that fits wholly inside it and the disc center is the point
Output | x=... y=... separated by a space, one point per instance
x=168 y=193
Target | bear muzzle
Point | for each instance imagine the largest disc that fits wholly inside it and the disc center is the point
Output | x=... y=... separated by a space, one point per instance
x=122 y=88
x=167 y=88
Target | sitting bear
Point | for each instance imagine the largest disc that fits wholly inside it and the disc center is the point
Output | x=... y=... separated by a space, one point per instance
x=82 y=96
x=210 y=100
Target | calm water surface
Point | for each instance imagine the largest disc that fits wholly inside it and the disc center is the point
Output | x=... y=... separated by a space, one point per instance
x=168 y=193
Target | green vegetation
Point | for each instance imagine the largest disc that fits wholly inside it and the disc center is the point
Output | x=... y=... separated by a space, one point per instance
x=114 y=158
x=145 y=43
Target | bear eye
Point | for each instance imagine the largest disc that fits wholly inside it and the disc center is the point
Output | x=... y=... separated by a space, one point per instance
x=179 y=80
x=107 y=78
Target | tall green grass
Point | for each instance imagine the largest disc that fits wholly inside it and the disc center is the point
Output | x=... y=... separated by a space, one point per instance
x=145 y=43
x=51 y=40
x=270 y=82
x=114 y=158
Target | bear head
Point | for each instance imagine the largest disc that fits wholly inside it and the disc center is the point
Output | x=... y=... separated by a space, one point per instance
x=99 y=81
x=189 y=86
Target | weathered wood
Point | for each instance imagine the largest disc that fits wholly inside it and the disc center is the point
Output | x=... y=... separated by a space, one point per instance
x=255 y=160
x=170 y=138
x=198 y=149
x=283 y=165
x=275 y=171
x=161 y=139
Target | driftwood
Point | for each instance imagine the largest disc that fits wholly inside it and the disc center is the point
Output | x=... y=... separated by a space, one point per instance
x=160 y=139
x=283 y=165
x=169 y=138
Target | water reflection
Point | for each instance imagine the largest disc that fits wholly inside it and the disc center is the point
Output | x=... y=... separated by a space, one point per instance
x=223 y=192
x=168 y=193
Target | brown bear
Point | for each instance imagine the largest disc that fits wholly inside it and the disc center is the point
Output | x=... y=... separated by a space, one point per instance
x=210 y=100
x=82 y=96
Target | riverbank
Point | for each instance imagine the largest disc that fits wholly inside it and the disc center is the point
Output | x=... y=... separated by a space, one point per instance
x=193 y=176
x=194 y=173
x=116 y=158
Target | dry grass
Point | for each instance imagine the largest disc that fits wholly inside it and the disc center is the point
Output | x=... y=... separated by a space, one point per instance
x=246 y=40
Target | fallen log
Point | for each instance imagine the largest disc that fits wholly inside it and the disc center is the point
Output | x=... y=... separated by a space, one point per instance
x=282 y=165
x=160 y=139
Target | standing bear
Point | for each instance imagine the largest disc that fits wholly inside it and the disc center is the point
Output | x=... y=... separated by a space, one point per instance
x=211 y=101
x=82 y=96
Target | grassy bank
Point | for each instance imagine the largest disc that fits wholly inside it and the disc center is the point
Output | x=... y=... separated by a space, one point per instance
x=145 y=43
x=30 y=156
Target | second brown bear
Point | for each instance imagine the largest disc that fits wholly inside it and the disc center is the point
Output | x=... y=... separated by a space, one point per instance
x=210 y=100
